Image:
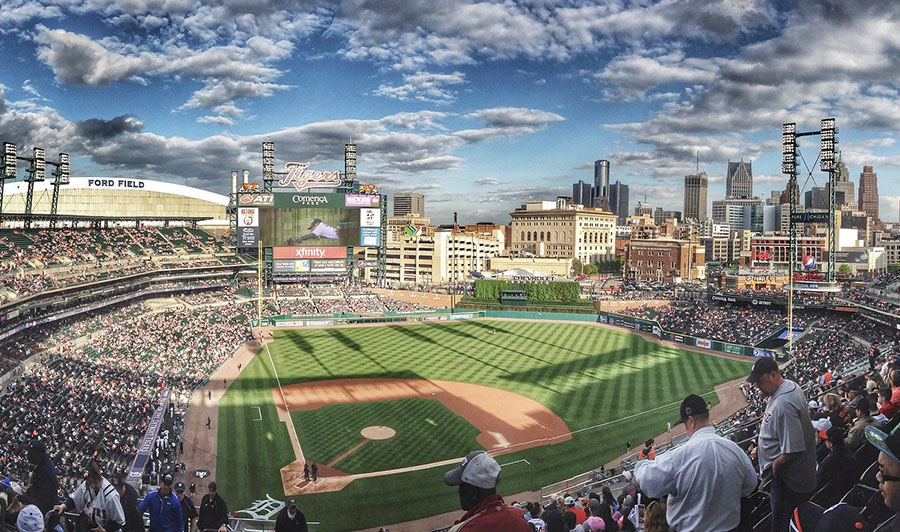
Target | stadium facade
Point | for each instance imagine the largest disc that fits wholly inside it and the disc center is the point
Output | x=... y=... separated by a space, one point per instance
x=121 y=197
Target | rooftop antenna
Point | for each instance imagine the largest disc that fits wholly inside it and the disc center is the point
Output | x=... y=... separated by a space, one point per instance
x=698 y=161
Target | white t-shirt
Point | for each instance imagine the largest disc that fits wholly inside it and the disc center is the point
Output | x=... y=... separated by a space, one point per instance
x=324 y=230
x=102 y=507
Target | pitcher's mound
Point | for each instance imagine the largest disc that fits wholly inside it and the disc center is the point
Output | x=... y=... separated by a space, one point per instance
x=378 y=432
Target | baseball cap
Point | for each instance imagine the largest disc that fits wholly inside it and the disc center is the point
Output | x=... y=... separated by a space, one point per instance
x=569 y=501
x=179 y=486
x=838 y=518
x=167 y=480
x=477 y=469
x=314 y=222
x=762 y=366
x=596 y=523
x=293 y=503
x=889 y=445
x=212 y=486
x=692 y=405
x=30 y=519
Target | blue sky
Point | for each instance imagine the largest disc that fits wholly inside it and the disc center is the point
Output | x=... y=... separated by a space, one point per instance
x=480 y=105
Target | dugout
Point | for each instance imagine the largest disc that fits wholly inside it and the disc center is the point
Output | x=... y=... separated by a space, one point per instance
x=514 y=298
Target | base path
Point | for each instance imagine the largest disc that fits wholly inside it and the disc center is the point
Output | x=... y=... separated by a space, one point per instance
x=506 y=421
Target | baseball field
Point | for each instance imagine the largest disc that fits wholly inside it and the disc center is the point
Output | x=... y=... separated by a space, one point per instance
x=383 y=411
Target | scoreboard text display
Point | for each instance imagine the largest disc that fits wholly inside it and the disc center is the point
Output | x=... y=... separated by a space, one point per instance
x=310 y=232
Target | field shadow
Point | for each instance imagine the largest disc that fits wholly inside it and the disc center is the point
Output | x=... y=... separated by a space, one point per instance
x=408 y=331
x=349 y=342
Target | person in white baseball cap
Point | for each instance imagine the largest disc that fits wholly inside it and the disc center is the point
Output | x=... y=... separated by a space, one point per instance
x=30 y=519
x=477 y=477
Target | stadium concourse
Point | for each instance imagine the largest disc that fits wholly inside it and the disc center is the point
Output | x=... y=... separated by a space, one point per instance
x=89 y=384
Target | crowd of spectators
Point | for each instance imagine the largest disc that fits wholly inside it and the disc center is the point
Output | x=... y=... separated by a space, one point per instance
x=79 y=256
x=330 y=299
x=883 y=293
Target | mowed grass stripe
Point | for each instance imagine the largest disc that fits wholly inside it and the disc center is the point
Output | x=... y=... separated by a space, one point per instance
x=590 y=376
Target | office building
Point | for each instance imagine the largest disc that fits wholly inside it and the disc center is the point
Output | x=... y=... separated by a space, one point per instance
x=643 y=208
x=406 y=203
x=618 y=201
x=660 y=216
x=816 y=198
x=561 y=229
x=739 y=180
x=695 y=190
x=583 y=193
x=664 y=260
x=868 y=192
x=843 y=187
x=601 y=184
x=739 y=214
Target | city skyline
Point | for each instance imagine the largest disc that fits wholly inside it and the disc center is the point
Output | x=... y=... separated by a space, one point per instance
x=480 y=106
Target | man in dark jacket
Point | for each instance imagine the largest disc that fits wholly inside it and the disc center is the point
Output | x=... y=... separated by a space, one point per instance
x=188 y=510
x=213 y=511
x=290 y=519
x=43 y=489
x=129 y=498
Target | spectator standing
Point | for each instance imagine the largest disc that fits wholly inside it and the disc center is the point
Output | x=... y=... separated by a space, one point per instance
x=580 y=515
x=704 y=479
x=128 y=497
x=164 y=507
x=98 y=499
x=787 y=442
x=188 y=509
x=213 y=511
x=477 y=477
x=291 y=519
x=43 y=488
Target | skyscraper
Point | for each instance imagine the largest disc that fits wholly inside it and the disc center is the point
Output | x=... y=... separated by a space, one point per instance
x=583 y=193
x=618 y=201
x=868 y=192
x=739 y=181
x=843 y=187
x=695 y=189
x=601 y=184
x=406 y=203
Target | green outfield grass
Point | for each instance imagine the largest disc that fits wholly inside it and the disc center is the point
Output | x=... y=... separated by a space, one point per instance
x=609 y=386
x=426 y=432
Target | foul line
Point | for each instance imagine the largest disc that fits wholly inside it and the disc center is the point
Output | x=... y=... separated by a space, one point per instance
x=287 y=408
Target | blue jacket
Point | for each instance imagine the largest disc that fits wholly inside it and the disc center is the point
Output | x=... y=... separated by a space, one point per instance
x=165 y=512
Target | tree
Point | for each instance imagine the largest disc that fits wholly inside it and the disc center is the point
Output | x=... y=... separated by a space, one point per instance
x=845 y=269
x=894 y=268
x=590 y=269
x=577 y=267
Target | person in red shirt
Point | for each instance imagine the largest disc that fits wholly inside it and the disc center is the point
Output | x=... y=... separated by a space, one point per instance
x=580 y=515
x=477 y=477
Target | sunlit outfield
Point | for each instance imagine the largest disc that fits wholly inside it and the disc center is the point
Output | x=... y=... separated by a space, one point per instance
x=609 y=386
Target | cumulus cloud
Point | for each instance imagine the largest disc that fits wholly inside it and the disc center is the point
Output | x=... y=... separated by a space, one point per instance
x=423 y=86
x=99 y=129
x=220 y=120
x=483 y=181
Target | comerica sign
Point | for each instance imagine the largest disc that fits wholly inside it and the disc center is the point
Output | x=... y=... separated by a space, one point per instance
x=299 y=175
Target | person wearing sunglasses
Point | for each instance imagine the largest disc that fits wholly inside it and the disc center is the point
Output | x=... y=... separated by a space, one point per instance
x=888 y=467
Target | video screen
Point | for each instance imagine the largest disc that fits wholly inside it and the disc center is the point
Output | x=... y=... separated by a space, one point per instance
x=322 y=227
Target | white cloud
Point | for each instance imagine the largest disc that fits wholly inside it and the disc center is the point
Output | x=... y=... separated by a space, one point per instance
x=423 y=86
x=221 y=120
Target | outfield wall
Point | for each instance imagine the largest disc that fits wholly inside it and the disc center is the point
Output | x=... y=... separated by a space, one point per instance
x=653 y=327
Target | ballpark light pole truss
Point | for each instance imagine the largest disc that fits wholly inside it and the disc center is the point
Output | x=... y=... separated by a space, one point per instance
x=268 y=160
x=789 y=152
x=61 y=177
x=7 y=169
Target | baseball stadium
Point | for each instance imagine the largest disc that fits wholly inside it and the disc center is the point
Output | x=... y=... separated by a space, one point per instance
x=173 y=337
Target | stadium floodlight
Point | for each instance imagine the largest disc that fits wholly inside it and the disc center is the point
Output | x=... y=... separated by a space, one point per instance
x=63 y=171
x=9 y=161
x=827 y=143
x=39 y=166
x=789 y=148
